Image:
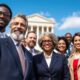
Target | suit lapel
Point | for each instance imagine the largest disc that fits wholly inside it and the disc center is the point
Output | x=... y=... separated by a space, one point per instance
x=44 y=62
x=53 y=61
x=28 y=62
x=10 y=45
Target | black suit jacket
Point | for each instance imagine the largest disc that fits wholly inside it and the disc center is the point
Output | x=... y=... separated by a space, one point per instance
x=10 y=66
x=58 y=69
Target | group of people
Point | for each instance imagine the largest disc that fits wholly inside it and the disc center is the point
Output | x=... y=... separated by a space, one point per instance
x=19 y=60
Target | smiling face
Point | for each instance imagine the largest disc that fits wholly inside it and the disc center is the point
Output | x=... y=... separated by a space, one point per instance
x=68 y=36
x=4 y=16
x=18 y=24
x=47 y=44
x=61 y=46
x=31 y=40
x=76 y=42
x=18 y=28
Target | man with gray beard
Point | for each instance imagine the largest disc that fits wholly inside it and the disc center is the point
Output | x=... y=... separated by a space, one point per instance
x=15 y=62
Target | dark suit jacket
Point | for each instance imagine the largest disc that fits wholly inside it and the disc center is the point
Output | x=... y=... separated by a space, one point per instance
x=58 y=69
x=10 y=66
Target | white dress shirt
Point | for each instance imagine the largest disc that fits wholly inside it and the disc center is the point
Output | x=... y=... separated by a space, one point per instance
x=48 y=58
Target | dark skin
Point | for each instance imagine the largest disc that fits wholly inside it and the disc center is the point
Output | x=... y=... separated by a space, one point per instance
x=47 y=45
x=4 y=18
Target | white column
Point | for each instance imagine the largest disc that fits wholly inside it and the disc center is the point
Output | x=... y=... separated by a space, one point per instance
x=52 y=29
x=31 y=28
x=42 y=29
x=47 y=29
x=37 y=31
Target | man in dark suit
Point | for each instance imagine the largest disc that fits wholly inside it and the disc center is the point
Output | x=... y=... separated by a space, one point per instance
x=31 y=40
x=15 y=62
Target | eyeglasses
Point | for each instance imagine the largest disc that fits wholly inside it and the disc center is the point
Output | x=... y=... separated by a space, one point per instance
x=47 y=41
x=5 y=14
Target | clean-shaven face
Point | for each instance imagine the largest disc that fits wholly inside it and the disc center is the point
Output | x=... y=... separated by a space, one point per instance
x=4 y=17
x=77 y=42
x=47 y=44
x=61 y=46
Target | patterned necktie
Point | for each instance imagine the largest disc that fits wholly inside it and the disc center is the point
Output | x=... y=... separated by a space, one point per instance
x=22 y=58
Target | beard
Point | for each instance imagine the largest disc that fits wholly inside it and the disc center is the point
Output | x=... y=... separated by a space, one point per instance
x=31 y=44
x=17 y=37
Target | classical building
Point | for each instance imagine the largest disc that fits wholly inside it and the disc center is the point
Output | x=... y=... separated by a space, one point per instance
x=40 y=24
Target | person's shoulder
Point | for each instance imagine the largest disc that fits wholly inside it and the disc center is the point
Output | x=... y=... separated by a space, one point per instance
x=37 y=51
x=59 y=55
x=27 y=53
x=38 y=55
x=3 y=40
x=38 y=58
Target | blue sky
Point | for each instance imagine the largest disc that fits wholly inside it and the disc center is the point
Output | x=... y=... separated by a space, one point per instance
x=65 y=12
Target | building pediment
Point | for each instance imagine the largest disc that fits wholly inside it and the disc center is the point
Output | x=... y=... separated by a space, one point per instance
x=39 y=18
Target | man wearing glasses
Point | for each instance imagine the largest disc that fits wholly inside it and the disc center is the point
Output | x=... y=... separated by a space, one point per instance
x=5 y=17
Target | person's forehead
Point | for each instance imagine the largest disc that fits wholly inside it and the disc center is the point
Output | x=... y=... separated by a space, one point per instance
x=18 y=19
x=31 y=35
x=46 y=37
x=4 y=9
x=68 y=34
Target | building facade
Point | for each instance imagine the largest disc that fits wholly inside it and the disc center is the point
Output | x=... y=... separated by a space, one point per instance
x=40 y=24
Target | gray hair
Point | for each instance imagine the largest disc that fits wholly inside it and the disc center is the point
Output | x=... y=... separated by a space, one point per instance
x=21 y=16
x=51 y=36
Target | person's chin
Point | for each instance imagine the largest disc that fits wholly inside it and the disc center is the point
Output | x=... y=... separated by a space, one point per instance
x=2 y=24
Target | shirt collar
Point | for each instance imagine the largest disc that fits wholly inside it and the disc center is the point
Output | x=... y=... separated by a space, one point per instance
x=48 y=56
x=29 y=48
x=15 y=42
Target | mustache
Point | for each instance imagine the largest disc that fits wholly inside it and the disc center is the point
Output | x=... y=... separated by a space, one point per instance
x=3 y=19
x=17 y=29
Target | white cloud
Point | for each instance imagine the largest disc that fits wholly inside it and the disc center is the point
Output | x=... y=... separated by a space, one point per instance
x=71 y=22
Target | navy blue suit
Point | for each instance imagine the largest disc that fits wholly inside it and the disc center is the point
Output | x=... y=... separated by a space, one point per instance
x=58 y=69
x=10 y=66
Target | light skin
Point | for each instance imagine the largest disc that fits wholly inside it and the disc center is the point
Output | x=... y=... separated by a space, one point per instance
x=47 y=45
x=76 y=43
x=18 y=23
x=61 y=46
x=31 y=40
x=18 y=26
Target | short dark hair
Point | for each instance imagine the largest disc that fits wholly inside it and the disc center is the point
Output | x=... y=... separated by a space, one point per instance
x=30 y=32
x=68 y=33
x=5 y=5
x=65 y=40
